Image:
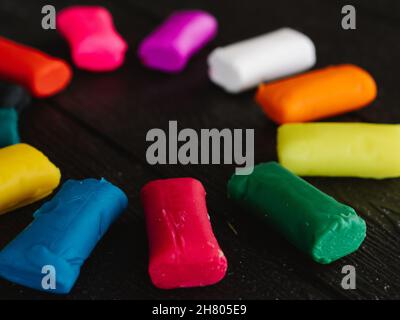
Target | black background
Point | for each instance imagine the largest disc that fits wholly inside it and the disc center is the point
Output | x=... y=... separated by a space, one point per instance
x=97 y=128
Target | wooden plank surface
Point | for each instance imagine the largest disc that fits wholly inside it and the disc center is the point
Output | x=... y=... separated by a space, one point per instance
x=97 y=127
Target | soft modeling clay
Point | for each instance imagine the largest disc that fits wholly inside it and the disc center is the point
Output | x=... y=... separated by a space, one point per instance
x=172 y=44
x=94 y=42
x=317 y=94
x=8 y=127
x=362 y=150
x=13 y=96
x=311 y=220
x=26 y=175
x=62 y=235
x=183 y=249
x=41 y=74
x=245 y=64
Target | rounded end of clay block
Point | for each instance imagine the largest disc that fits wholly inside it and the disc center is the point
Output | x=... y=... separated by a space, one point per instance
x=30 y=277
x=237 y=186
x=369 y=86
x=100 y=54
x=308 y=46
x=276 y=107
x=224 y=74
x=53 y=172
x=342 y=238
x=275 y=113
x=203 y=273
x=304 y=48
x=166 y=59
x=51 y=79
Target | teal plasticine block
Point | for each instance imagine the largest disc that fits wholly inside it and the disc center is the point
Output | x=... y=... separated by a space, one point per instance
x=8 y=127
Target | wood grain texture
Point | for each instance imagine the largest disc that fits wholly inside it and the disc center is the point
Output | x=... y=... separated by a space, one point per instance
x=97 y=127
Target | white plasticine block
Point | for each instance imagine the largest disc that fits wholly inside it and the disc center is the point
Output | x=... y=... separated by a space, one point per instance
x=245 y=64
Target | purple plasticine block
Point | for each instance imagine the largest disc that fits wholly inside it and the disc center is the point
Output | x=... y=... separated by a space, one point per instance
x=171 y=45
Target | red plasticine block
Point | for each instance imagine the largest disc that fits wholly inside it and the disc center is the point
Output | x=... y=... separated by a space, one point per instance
x=183 y=249
x=94 y=42
x=40 y=73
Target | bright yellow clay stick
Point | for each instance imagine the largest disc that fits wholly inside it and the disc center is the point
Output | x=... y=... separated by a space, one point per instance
x=362 y=150
x=26 y=175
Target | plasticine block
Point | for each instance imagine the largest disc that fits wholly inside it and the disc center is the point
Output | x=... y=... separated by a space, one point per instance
x=363 y=150
x=62 y=235
x=245 y=64
x=173 y=43
x=183 y=249
x=95 y=44
x=40 y=73
x=26 y=176
x=311 y=220
x=8 y=127
x=317 y=94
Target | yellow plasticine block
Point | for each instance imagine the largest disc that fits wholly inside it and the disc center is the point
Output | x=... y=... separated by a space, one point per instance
x=26 y=175
x=363 y=150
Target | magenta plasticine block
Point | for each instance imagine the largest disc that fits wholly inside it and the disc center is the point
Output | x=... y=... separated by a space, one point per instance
x=94 y=42
x=173 y=43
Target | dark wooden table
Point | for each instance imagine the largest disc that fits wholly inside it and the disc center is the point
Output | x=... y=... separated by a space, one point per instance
x=97 y=128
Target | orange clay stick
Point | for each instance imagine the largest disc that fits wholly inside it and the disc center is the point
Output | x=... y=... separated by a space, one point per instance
x=317 y=94
x=42 y=74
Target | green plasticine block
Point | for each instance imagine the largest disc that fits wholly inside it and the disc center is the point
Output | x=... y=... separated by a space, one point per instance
x=8 y=127
x=311 y=220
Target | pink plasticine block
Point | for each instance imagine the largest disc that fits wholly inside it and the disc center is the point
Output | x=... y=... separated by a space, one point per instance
x=172 y=44
x=183 y=249
x=94 y=42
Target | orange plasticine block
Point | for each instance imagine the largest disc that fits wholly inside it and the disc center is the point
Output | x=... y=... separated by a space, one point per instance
x=317 y=94
x=40 y=73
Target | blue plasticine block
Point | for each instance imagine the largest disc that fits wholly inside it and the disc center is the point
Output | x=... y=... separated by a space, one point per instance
x=63 y=233
x=8 y=127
